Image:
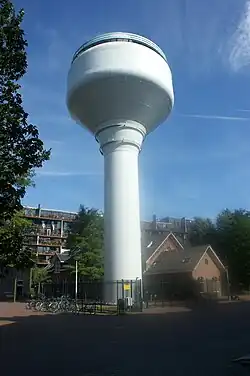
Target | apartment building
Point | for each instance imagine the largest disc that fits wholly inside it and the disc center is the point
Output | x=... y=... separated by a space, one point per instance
x=175 y=225
x=50 y=229
x=48 y=232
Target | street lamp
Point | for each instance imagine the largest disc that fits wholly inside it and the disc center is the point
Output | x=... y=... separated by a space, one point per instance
x=75 y=251
x=76 y=280
x=228 y=284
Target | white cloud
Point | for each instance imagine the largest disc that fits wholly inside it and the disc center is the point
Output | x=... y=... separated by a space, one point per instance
x=239 y=43
x=57 y=53
x=210 y=35
x=58 y=174
x=216 y=117
x=199 y=31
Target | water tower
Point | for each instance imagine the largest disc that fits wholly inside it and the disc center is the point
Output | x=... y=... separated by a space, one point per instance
x=120 y=88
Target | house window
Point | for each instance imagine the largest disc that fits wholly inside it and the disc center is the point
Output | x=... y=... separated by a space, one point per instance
x=206 y=261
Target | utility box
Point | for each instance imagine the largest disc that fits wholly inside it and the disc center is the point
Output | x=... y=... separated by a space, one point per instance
x=121 y=306
x=128 y=302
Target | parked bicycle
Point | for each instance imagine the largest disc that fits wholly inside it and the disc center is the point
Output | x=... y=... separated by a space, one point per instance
x=63 y=304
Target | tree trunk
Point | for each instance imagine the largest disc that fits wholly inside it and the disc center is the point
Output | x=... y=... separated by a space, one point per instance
x=14 y=290
x=30 y=280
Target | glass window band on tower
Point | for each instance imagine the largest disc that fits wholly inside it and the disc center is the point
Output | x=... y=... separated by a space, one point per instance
x=119 y=37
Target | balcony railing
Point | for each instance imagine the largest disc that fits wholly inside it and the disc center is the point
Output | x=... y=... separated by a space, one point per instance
x=31 y=230
x=29 y=241
x=45 y=232
x=67 y=217
x=46 y=252
x=58 y=215
x=45 y=241
x=37 y=230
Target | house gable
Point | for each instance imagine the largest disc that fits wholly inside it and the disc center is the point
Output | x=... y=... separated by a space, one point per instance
x=54 y=258
x=58 y=262
x=170 y=256
x=170 y=243
x=209 y=266
x=181 y=260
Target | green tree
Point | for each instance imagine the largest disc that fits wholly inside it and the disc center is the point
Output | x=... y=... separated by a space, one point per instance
x=13 y=251
x=230 y=237
x=21 y=150
x=233 y=235
x=202 y=231
x=40 y=276
x=85 y=242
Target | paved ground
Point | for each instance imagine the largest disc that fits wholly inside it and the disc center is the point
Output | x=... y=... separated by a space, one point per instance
x=175 y=341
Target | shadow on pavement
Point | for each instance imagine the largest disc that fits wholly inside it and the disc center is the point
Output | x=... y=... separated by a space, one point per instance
x=187 y=341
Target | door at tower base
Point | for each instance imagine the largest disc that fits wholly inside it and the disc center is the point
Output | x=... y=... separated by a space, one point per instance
x=130 y=290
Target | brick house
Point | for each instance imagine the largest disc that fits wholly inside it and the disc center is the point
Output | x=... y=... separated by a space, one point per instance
x=59 y=267
x=171 y=264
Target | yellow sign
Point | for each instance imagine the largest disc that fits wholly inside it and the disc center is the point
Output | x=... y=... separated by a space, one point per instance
x=126 y=286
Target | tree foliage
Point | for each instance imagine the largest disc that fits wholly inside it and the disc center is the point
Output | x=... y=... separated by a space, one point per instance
x=21 y=150
x=85 y=242
x=40 y=276
x=233 y=228
x=13 y=251
x=202 y=231
x=230 y=237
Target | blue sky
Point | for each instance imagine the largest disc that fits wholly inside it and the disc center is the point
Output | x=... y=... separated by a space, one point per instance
x=197 y=163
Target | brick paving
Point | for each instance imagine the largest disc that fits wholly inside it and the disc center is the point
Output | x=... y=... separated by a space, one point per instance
x=10 y=310
x=163 y=341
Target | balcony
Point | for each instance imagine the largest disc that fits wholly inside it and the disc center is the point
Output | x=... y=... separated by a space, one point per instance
x=30 y=231
x=47 y=232
x=30 y=241
x=43 y=243
x=66 y=217
x=49 y=242
x=50 y=233
x=30 y=212
x=46 y=253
